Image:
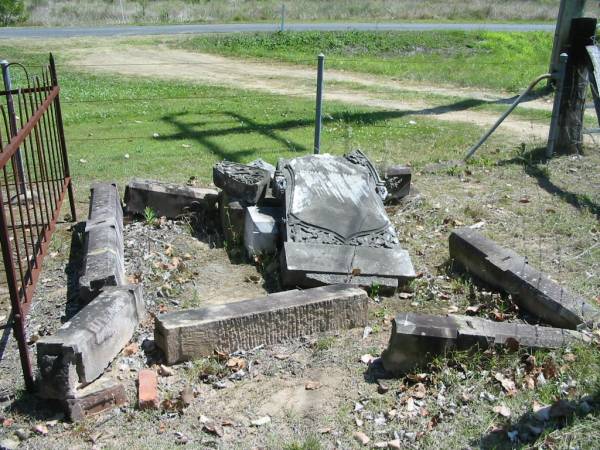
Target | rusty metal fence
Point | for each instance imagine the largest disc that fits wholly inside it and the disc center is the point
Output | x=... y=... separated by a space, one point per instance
x=34 y=181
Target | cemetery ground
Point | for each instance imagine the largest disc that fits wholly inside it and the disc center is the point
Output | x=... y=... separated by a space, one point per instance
x=172 y=122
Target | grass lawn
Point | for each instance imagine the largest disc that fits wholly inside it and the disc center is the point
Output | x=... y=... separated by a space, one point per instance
x=546 y=210
x=507 y=61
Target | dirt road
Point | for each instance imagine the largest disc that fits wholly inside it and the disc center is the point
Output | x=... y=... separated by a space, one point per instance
x=351 y=88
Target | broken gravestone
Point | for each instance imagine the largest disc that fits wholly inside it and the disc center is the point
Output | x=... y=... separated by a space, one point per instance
x=335 y=228
x=240 y=181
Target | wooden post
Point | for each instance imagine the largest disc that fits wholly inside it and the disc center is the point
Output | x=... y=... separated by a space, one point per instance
x=569 y=10
x=572 y=105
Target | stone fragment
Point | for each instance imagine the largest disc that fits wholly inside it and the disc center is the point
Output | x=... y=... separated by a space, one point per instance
x=397 y=182
x=335 y=228
x=147 y=389
x=167 y=199
x=417 y=338
x=99 y=396
x=194 y=333
x=262 y=164
x=261 y=229
x=246 y=183
x=233 y=217
x=83 y=347
x=533 y=290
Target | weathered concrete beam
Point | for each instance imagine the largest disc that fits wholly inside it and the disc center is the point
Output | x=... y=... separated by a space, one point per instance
x=508 y=271
x=417 y=338
x=185 y=335
x=105 y=205
x=103 y=264
x=83 y=347
x=103 y=261
x=99 y=396
x=167 y=199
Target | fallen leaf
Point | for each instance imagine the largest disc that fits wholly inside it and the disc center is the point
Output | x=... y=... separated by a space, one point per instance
x=131 y=349
x=502 y=410
x=507 y=384
x=405 y=295
x=236 y=363
x=523 y=200
x=312 y=385
x=213 y=428
x=549 y=368
x=511 y=344
x=367 y=359
x=473 y=309
x=324 y=430
x=40 y=429
x=261 y=421
x=165 y=371
x=8 y=422
x=570 y=357
x=361 y=437
x=355 y=272
x=418 y=391
x=453 y=309
x=186 y=396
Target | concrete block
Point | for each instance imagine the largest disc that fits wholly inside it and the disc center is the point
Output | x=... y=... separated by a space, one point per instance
x=167 y=199
x=103 y=261
x=147 y=389
x=397 y=182
x=99 y=396
x=261 y=229
x=532 y=290
x=244 y=182
x=185 y=335
x=83 y=347
x=232 y=213
x=417 y=338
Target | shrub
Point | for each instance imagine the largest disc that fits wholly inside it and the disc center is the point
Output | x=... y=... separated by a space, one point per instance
x=11 y=12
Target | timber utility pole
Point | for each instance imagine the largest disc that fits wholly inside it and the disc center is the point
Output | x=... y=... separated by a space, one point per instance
x=574 y=37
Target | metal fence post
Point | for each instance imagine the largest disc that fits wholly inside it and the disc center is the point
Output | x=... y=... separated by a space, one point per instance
x=560 y=80
x=282 y=26
x=319 y=108
x=12 y=123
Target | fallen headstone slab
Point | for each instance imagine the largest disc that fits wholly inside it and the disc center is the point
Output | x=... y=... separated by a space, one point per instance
x=195 y=333
x=241 y=181
x=103 y=260
x=84 y=346
x=99 y=396
x=417 y=338
x=335 y=226
x=532 y=290
x=167 y=199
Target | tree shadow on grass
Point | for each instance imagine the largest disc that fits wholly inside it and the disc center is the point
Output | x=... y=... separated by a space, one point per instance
x=531 y=162
x=271 y=131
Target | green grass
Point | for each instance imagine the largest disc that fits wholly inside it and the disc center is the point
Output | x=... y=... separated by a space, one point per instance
x=476 y=58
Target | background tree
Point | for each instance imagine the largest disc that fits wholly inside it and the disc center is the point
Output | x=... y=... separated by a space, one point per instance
x=11 y=11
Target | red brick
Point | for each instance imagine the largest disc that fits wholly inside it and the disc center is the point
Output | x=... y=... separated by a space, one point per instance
x=147 y=389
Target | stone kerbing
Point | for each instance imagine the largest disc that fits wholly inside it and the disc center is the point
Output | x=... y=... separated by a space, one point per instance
x=189 y=334
x=417 y=338
x=83 y=347
x=167 y=199
x=533 y=290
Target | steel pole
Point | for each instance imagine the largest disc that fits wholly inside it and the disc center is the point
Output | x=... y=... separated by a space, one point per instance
x=12 y=119
x=319 y=106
